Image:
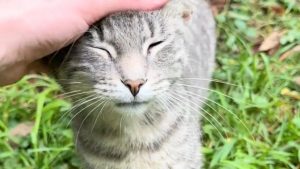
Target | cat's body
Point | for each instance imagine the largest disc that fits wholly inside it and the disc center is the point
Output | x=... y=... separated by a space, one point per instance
x=135 y=110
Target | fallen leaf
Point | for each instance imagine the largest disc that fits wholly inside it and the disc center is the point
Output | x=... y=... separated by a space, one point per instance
x=297 y=80
x=288 y=53
x=290 y=93
x=22 y=130
x=256 y=46
x=271 y=41
x=277 y=9
x=274 y=50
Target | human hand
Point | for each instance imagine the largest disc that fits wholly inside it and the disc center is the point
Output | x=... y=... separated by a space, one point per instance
x=32 y=30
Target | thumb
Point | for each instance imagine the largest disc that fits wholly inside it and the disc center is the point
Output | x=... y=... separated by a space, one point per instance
x=135 y=4
x=96 y=9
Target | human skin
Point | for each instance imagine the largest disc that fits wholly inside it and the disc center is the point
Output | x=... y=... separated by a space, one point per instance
x=30 y=30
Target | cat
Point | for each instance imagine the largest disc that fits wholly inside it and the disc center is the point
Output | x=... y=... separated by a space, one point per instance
x=134 y=79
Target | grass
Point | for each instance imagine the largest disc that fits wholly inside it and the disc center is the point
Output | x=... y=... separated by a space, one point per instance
x=260 y=117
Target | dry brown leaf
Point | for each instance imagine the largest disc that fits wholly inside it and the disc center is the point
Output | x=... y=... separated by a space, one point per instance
x=277 y=9
x=274 y=50
x=271 y=41
x=256 y=46
x=288 y=53
x=22 y=130
x=297 y=80
x=290 y=93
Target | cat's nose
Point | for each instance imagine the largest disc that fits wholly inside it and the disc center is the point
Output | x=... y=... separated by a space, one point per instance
x=134 y=85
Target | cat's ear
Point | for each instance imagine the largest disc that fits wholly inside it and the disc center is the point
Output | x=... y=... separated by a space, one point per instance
x=179 y=10
x=186 y=13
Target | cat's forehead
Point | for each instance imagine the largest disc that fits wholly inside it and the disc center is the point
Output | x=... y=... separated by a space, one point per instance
x=135 y=25
x=130 y=29
x=131 y=19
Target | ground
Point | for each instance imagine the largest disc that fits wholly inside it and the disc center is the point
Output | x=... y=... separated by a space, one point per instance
x=254 y=98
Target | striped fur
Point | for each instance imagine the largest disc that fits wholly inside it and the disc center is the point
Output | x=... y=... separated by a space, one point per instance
x=159 y=128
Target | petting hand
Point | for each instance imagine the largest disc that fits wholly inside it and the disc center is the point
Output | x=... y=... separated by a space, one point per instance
x=30 y=30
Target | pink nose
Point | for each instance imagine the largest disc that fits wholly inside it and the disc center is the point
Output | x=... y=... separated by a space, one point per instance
x=134 y=86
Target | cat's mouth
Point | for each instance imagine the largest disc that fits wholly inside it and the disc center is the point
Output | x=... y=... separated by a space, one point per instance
x=130 y=104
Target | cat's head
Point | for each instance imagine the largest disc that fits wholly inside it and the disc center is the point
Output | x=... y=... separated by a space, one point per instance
x=129 y=59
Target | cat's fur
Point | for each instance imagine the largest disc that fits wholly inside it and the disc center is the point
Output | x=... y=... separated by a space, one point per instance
x=164 y=131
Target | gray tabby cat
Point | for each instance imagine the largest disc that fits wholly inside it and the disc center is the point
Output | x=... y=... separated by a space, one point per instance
x=134 y=106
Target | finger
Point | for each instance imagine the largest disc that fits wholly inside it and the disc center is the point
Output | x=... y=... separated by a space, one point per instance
x=117 y=5
x=17 y=71
x=93 y=10
x=12 y=75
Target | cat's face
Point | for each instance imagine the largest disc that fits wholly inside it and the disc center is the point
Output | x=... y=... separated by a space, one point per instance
x=130 y=60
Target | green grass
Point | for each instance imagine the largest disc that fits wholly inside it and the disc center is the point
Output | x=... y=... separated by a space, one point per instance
x=260 y=126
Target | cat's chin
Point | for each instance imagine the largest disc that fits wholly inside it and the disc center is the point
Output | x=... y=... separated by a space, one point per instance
x=133 y=108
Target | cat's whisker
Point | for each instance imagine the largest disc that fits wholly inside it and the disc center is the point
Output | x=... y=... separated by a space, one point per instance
x=100 y=112
x=191 y=95
x=121 y=119
x=69 y=81
x=172 y=101
x=81 y=102
x=226 y=110
x=67 y=93
x=64 y=44
x=75 y=94
x=172 y=110
x=75 y=83
x=68 y=53
x=95 y=27
x=213 y=80
x=186 y=104
x=198 y=87
x=83 y=109
x=195 y=104
x=97 y=101
x=194 y=61
x=73 y=107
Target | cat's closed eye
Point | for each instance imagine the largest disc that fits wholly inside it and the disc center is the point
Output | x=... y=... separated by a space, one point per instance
x=105 y=50
x=88 y=34
x=153 y=45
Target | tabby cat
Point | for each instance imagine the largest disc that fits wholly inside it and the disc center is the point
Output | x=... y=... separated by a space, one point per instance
x=137 y=80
